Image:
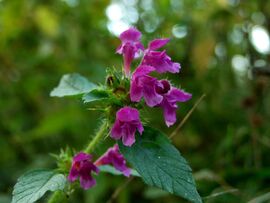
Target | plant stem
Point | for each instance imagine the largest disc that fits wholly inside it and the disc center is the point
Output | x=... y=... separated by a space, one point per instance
x=186 y=116
x=100 y=133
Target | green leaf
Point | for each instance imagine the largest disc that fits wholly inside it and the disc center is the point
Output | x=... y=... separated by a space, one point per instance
x=95 y=95
x=72 y=84
x=160 y=164
x=113 y=171
x=34 y=184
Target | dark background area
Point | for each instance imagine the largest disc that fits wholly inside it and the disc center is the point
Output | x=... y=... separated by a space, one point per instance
x=223 y=47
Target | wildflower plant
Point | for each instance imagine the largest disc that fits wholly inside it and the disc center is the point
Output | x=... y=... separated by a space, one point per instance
x=139 y=149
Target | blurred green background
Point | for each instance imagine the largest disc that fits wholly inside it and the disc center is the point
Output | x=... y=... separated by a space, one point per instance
x=223 y=47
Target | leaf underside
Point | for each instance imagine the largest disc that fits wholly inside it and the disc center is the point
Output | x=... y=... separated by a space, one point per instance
x=72 y=84
x=34 y=184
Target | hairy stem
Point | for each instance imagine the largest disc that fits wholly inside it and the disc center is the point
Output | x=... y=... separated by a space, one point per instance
x=99 y=135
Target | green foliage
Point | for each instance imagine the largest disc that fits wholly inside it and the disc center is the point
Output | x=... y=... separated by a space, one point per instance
x=72 y=84
x=34 y=184
x=160 y=164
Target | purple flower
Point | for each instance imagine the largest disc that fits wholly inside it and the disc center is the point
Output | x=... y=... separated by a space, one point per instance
x=159 y=59
x=171 y=95
x=143 y=85
x=113 y=156
x=130 y=47
x=156 y=93
x=82 y=168
x=126 y=123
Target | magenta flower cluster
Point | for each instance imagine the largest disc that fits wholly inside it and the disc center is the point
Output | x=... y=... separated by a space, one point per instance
x=156 y=93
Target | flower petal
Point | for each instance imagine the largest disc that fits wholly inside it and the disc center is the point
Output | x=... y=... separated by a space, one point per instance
x=177 y=95
x=158 y=43
x=73 y=174
x=142 y=71
x=81 y=156
x=87 y=181
x=136 y=91
x=127 y=114
x=160 y=61
x=149 y=91
x=116 y=131
x=129 y=139
x=144 y=85
x=132 y=34
x=163 y=86
x=169 y=113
